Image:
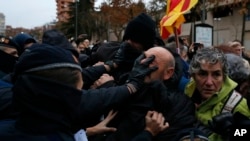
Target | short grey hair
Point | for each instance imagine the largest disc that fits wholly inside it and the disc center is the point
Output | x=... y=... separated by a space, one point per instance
x=208 y=55
x=236 y=68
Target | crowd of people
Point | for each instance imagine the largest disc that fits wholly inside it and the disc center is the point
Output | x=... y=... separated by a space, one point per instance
x=140 y=89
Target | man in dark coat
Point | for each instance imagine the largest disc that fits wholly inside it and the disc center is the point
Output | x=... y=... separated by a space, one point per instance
x=8 y=55
x=159 y=95
x=139 y=35
x=58 y=39
x=50 y=104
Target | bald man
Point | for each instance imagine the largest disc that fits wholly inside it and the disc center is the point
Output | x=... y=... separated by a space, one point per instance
x=165 y=62
x=177 y=109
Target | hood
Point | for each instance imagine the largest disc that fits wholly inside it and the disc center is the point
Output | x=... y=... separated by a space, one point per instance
x=55 y=37
x=21 y=39
x=141 y=30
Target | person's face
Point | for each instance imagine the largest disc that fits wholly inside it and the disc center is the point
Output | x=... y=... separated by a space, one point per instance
x=237 y=50
x=183 y=54
x=10 y=51
x=209 y=79
x=81 y=46
x=161 y=60
x=86 y=43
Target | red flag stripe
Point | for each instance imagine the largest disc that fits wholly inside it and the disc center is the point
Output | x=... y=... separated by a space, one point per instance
x=173 y=4
x=166 y=18
x=185 y=5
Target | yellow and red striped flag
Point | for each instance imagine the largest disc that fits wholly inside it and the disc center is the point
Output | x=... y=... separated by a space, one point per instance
x=174 y=16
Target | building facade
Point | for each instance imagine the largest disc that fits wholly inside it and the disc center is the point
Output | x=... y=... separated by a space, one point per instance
x=63 y=7
x=228 y=22
x=2 y=24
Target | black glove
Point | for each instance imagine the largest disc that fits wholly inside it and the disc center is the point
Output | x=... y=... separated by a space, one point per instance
x=139 y=71
x=222 y=123
x=126 y=56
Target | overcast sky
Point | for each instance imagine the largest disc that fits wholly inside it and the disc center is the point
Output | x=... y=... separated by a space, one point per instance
x=29 y=13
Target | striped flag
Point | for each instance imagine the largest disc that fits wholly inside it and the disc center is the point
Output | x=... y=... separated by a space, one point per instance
x=174 y=16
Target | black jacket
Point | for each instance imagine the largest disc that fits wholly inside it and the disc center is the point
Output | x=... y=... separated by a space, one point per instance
x=143 y=136
x=7 y=63
x=50 y=108
x=44 y=110
x=91 y=74
x=177 y=109
x=7 y=111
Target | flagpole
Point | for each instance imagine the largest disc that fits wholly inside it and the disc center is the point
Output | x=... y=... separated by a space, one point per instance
x=176 y=40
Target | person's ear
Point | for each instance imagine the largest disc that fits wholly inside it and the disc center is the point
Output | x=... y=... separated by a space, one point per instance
x=168 y=73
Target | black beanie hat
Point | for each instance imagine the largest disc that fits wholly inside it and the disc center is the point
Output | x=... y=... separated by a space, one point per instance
x=141 y=30
x=42 y=57
x=56 y=38
x=7 y=42
x=23 y=38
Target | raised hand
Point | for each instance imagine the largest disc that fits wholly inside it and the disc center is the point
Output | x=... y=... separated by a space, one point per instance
x=102 y=126
x=140 y=70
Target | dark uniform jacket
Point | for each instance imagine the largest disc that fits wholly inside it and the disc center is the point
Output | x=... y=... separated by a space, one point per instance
x=51 y=109
x=177 y=109
x=7 y=111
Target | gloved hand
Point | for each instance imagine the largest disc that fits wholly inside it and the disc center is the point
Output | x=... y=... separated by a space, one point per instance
x=139 y=71
x=126 y=55
x=222 y=123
